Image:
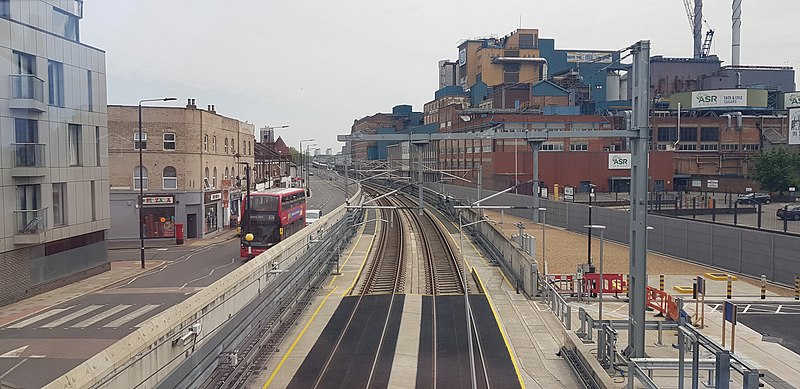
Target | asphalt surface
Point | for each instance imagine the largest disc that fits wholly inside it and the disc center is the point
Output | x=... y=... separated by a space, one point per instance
x=36 y=349
x=777 y=322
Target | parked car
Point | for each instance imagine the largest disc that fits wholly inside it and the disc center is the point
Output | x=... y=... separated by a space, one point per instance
x=312 y=215
x=754 y=198
x=791 y=212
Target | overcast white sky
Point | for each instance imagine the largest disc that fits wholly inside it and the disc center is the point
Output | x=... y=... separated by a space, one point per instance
x=318 y=65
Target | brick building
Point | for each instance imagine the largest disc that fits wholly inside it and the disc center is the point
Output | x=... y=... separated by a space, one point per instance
x=190 y=168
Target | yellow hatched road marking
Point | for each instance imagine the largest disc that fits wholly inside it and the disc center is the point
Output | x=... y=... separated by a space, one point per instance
x=502 y=332
x=297 y=339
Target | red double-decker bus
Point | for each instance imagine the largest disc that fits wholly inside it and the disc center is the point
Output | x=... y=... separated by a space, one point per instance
x=271 y=216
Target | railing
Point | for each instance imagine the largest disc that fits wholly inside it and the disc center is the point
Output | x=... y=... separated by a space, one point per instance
x=27 y=86
x=31 y=221
x=557 y=304
x=28 y=154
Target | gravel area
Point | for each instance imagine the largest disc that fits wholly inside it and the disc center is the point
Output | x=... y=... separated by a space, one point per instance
x=565 y=250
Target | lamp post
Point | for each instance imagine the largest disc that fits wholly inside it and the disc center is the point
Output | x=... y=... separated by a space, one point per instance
x=600 y=293
x=141 y=176
x=307 y=160
x=248 y=236
x=270 y=151
x=544 y=259
x=300 y=165
x=589 y=251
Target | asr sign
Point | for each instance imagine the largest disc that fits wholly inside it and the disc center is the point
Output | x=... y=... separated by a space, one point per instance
x=619 y=161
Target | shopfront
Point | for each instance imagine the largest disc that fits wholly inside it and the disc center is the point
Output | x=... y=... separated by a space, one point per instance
x=159 y=216
x=211 y=211
x=235 y=198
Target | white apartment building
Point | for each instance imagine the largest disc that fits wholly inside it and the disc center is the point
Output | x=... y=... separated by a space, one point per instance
x=53 y=149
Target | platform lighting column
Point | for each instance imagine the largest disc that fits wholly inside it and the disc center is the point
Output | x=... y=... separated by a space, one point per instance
x=300 y=164
x=544 y=258
x=467 y=308
x=141 y=176
x=535 y=147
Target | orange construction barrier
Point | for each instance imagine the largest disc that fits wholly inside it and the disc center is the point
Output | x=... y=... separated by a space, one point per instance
x=612 y=283
x=662 y=302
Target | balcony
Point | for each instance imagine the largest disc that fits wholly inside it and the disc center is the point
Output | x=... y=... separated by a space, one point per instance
x=27 y=93
x=28 y=159
x=30 y=226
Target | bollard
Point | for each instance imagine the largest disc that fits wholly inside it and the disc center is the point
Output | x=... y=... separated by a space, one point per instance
x=763 y=286
x=627 y=285
x=694 y=208
x=797 y=287
x=759 y=216
x=735 y=213
x=661 y=282
x=730 y=288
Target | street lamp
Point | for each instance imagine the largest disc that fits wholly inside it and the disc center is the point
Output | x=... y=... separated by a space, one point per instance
x=589 y=251
x=544 y=259
x=308 y=166
x=141 y=175
x=248 y=236
x=270 y=151
x=602 y=229
x=300 y=165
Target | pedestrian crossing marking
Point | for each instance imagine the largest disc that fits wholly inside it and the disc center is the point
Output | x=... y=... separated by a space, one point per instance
x=101 y=316
x=39 y=317
x=139 y=312
x=71 y=316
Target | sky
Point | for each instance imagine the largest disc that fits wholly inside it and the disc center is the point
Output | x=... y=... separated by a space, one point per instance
x=316 y=66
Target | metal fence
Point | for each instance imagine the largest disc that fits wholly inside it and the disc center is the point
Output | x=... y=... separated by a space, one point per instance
x=739 y=249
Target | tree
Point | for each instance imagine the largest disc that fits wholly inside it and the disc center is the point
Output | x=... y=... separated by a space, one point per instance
x=776 y=170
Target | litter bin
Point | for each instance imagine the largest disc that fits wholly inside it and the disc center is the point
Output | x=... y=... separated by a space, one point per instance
x=178 y=233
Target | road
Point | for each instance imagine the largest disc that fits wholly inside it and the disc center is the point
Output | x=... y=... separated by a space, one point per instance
x=40 y=347
x=775 y=321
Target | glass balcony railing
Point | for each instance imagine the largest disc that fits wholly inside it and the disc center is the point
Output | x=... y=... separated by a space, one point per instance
x=28 y=154
x=27 y=86
x=31 y=221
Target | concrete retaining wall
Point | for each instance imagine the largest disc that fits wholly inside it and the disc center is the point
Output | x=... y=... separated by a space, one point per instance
x=148 y=355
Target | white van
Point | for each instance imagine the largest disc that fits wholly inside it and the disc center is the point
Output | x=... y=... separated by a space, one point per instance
x=312 y=215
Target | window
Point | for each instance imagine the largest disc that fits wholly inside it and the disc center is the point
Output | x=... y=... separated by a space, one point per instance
x=729 y=147
x=29 y=219
x=487 y=149
x=244 y=147
x=750 y=147
x=205 y=142
x=709 y=134
x=55 y=83
x=661 y=147
x=225 y=177
x=74 y=135
x=578 y=147
x=214 y=178
x=91 y=92
x=93 y=190
x=5 y=9
x=26 y=132
x=214 y=144
x=170 y=178
x=24 y=63
x=233 y=146
x=709 y=147
x=169 y=141
x=688 y=134
x=59 y=191
x=687 y=147
x=139 y=143
x=97 y=144
x=527 y=41
x=667 y=134
x=65 y=24
x=139 y=176
x=552 y=147
x=226 y=145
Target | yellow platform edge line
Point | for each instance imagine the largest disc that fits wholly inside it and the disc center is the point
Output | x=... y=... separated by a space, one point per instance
x=499 y=269
x=363 y=263
x=297 y=339
x=502 y=332
x=682 y=289
x=360 y=234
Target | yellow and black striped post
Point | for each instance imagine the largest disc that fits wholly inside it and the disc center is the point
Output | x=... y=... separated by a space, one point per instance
x=729 y=290
x=628 y=282
x=763 y=287
x=661 y=282
x=797 y=287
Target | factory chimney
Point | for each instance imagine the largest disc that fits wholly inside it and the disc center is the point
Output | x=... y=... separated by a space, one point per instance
x=698 y=28
x=736 y=35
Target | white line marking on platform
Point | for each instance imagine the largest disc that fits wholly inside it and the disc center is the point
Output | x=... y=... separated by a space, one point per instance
x=101 y=316
x=71 y=316
x=746 y=308
x=39 y=317
x=139 y=312
x=779 y=309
